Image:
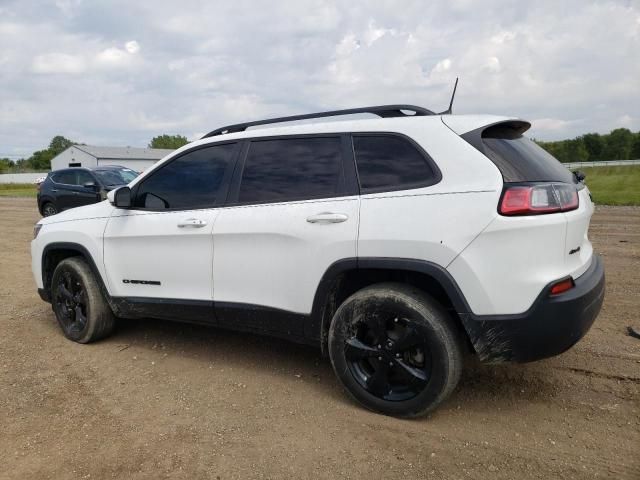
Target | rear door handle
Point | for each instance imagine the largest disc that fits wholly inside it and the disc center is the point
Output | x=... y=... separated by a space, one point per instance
x=192 y=223
x=328 y=217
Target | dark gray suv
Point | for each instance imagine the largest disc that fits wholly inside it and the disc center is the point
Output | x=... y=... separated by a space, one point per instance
x=74 y=187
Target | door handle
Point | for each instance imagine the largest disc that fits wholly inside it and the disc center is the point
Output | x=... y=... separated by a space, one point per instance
x=76 y=193
x=192 y=222
x=328 y=217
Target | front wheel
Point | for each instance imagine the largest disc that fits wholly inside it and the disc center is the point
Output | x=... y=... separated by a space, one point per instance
x=395 y=350
x=81 y=310
x=49 y=209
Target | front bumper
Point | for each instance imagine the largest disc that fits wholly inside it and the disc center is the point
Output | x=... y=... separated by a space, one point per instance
x=551 y=326
x=44 y=295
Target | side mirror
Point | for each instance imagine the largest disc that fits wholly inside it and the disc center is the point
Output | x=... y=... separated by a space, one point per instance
x=120 y=198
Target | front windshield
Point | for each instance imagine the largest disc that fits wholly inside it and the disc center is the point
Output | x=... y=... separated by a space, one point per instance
x=116 y=177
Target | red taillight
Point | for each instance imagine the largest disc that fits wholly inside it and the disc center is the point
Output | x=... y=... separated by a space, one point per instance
x=562 y=286
x=538 y=199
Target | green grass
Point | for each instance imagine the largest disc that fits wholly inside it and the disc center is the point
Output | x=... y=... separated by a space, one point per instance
x=614 y=185
x=18 y=190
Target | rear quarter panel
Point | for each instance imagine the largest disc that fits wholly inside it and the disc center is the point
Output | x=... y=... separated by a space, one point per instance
x=434 y=223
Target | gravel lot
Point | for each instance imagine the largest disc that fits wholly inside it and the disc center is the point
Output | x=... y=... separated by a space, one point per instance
x=165 y=400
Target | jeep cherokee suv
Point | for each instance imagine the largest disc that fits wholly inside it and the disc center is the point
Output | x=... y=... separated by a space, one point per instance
x=395 y=244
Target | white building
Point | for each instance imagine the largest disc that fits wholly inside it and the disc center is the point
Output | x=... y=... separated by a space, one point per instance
x=138 y=159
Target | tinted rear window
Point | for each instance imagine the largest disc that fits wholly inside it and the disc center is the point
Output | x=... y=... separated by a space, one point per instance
x=390 y=162
x=291 y=169
x=518 y=158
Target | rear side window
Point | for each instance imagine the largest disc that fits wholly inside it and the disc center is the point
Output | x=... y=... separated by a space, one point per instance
x=193 y=180
x=518 y=158
x=291 y=169
x=66 y=177
x=390 y=162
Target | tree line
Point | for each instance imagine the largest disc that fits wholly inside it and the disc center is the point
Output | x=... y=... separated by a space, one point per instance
x=41 y=160
x=619 y=144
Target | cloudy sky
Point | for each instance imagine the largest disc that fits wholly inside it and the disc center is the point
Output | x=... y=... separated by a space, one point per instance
x=118 y=72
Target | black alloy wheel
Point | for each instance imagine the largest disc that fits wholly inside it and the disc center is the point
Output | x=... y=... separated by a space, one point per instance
x=389 y=356
x=70 y=302
x=395 y=349
x=49 y=209
x=78 y=302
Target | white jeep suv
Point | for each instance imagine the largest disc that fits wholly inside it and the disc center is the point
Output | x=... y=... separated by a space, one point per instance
x=395 y=244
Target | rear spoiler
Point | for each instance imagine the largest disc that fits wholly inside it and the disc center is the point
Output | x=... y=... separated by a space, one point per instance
x=502 y=129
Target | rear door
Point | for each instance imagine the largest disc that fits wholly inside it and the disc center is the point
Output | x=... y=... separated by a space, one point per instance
x=63 y=188
x=160 y=251
x=292 y=213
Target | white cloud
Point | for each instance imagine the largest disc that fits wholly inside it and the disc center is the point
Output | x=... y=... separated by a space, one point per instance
x=375 y=33
x=550 y=124
x=625 y=120
x=111 y=55
x=442 y=66
x=493 y=64
x=68 y=7
x=503 y=37
x=191 y=66
x=132 y=47
x=58 y=63
x=348 y=45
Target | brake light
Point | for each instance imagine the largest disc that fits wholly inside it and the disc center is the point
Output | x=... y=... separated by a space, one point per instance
x=538 y=199
x=562 y=286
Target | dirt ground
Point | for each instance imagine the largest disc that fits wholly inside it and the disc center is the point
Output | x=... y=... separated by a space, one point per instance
x=166 y=400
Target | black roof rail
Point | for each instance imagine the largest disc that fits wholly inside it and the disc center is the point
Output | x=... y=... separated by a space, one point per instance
x=384 y=111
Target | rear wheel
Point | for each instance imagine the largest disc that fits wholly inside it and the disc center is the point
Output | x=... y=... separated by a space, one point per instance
x=80 y=308
x=49 y=209
x=395 y=350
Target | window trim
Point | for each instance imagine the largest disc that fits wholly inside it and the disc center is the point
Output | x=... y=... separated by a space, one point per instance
x=347 y=184
x=224 y=185
x=437 y=177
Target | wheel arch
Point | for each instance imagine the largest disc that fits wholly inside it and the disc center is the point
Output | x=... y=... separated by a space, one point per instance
x=54 y=253
x=347 y=276
x=45 y=199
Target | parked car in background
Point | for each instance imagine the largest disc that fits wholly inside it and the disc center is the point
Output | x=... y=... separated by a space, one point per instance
x=74 y=187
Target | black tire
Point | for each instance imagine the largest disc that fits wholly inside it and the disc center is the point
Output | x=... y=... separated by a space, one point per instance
x=395 y=350
x=80 y=308
x=48 y=209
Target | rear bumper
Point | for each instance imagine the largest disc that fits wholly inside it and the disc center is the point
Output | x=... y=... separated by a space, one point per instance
x=551 y=326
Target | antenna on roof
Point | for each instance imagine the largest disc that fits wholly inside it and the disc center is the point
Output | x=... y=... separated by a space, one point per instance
x=449 y=110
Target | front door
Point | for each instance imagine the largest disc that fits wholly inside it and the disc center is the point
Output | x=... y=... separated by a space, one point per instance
x=85 y=195
x=159 y=253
